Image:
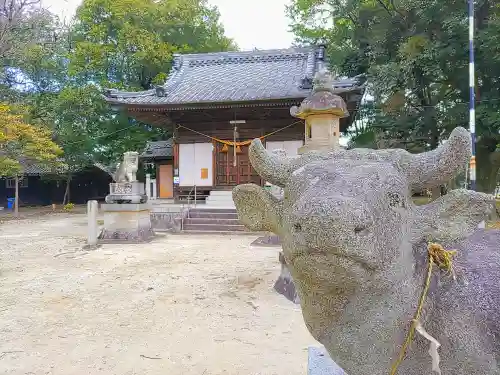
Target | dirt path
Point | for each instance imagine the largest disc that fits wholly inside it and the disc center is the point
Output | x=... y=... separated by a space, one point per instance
x=178 y=306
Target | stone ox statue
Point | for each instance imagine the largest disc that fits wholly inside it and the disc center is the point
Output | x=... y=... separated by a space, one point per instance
x=356 y=248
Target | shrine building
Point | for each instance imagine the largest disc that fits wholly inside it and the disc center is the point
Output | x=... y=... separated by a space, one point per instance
x=217 y=103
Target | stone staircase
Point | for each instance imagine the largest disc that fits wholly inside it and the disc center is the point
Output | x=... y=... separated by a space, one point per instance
x=220 y=199
x=213 y=220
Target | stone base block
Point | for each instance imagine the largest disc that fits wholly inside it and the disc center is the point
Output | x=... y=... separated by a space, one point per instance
x=168 y=221
x=320 y=363
x=130 y=199
x=317 y=146
x=269 y=240
x=126 y=223
x=285 y=285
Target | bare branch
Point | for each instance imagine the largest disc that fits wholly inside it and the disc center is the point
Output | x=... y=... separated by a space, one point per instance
x=384 y=6
x=20 y=21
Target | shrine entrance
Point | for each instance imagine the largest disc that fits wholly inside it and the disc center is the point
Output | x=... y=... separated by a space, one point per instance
x=228 y=174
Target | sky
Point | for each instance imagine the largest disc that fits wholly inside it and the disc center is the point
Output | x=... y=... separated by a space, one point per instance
x=252 y=24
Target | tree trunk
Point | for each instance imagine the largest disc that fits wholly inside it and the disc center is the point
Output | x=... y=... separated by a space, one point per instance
x=16 y=198
x=67 y=197
x=494 y=175
x=495 y=216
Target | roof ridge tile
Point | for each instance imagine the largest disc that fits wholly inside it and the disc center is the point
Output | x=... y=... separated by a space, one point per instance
x=246 y=59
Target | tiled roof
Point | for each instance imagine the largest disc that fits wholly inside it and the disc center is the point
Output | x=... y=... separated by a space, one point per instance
x=158 y=149
x=234 y=77
x=34 y=169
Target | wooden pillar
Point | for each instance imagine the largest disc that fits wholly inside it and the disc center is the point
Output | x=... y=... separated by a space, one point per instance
x=214 y=163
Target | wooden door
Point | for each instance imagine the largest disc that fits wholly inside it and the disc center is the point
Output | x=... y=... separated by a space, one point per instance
x=227 y=174
x=225 y=171
x=166 y=181
x=246 y=173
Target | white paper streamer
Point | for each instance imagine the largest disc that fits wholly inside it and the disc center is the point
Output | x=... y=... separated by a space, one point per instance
x=433 y=347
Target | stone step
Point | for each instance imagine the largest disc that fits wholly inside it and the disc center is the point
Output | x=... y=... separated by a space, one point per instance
x=212 y=215
x=204 y=208
x=215 y=232
x=214 y=227
x=220 y=198
x=228 y=198
x=221 y=193
x=212 y=220
x=220 y=204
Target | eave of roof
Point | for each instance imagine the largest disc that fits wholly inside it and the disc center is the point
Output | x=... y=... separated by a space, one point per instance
x=224 y=79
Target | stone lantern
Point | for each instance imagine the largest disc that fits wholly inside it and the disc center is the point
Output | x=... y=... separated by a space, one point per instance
x=322 y=112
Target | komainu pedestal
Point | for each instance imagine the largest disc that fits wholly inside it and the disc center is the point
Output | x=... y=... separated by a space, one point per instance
x=126 y=192
x=126 y=223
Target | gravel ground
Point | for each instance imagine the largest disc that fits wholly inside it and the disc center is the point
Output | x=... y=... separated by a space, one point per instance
x=181 y=305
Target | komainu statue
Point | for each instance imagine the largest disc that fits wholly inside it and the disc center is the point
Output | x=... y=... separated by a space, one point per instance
x=126 y=188
x=357 y=249
x=126 y=170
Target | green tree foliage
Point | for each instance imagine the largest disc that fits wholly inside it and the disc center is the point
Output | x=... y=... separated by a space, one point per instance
x=415 y=54
x=22 y=144
x=129 y=43
x=60 y=70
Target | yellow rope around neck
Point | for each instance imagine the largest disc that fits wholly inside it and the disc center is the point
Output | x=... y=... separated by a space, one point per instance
x=443 y=259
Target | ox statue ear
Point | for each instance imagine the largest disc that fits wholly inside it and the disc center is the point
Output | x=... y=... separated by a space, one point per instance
x=257 y=209
x=451 y=217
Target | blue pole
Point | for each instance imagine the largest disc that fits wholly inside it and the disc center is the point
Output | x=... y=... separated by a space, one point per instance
x=472 y=94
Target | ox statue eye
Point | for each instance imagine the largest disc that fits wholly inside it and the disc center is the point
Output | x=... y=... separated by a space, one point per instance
x=297 y=227
x=395 y=200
